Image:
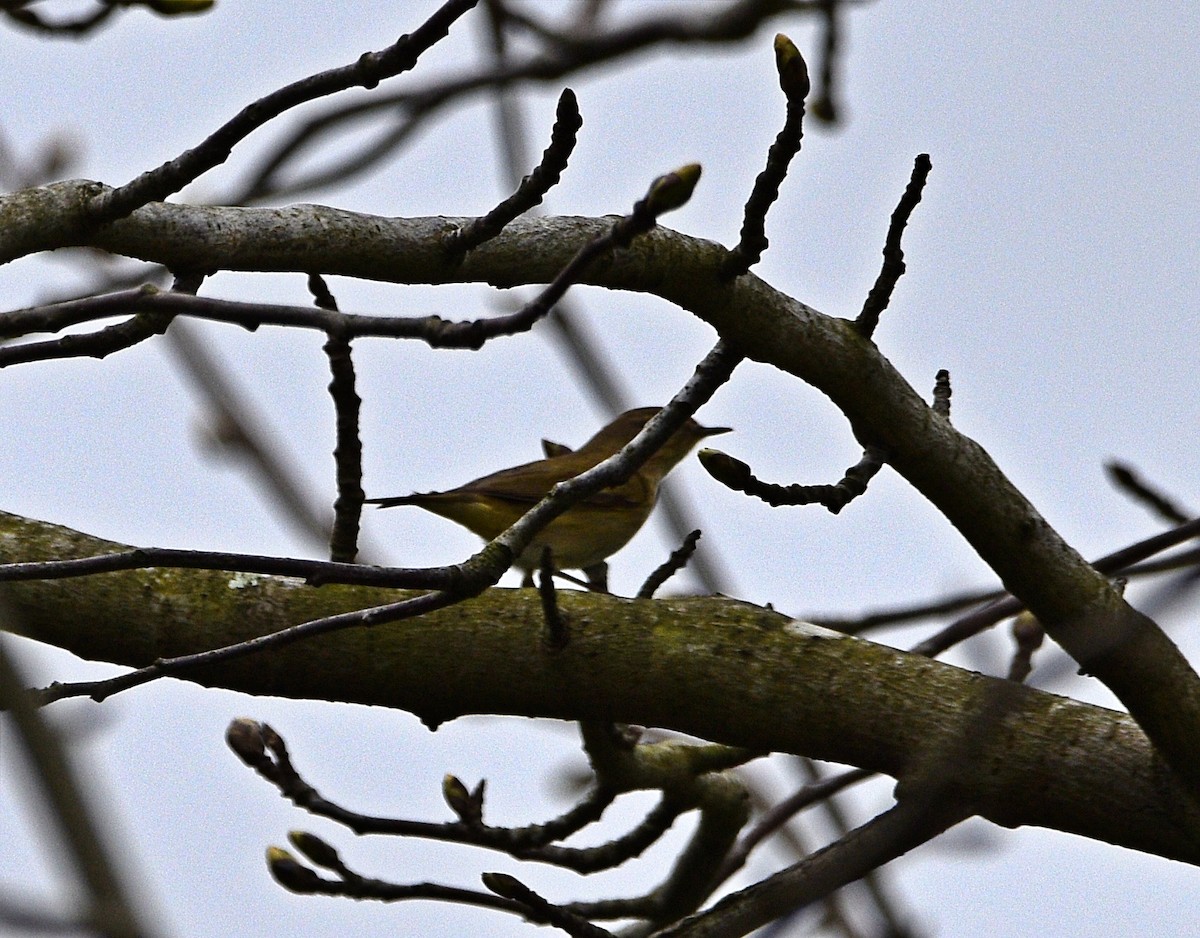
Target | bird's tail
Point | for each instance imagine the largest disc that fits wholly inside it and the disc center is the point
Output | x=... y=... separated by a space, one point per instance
x=414 y=499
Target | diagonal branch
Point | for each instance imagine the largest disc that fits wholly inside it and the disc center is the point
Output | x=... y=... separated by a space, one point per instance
x=650 y=663
x=370 y=69
x=1079 y=608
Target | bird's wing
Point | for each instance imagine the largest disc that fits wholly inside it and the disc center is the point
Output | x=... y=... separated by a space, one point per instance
x=517 y=487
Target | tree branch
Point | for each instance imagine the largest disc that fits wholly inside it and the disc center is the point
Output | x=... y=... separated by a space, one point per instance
x=662 y=664
x=1078 y=607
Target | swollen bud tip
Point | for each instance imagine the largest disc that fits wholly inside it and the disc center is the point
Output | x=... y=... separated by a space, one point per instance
x=244 y=736
x=456 y=795
x=670 y=191
x=508 y=887
x=723 y=467
x=289 y=872
x=793 y=71
x=315 y=849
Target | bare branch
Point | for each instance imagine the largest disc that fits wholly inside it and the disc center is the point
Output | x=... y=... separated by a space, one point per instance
x=893 y=255
x=793 y=79
x=110 y=910
x=533 y=187
x=736 y=475
x=370 y=69
x=1126 y=478
x=676 y=562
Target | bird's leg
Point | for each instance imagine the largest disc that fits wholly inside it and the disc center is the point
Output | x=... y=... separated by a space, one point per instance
x=597 y=577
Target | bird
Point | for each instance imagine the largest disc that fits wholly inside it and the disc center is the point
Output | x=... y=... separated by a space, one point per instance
x=589 y=531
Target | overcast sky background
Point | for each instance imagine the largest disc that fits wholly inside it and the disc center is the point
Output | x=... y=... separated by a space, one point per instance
x=1052 y=269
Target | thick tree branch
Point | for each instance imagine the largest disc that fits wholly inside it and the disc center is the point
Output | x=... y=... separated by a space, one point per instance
x=710 y=667
x=1078 y=607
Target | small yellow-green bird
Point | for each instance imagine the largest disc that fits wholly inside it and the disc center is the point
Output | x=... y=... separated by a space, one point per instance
x=587 y=532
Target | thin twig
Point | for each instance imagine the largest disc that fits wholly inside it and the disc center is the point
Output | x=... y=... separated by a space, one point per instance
x=368 y=71
x=539 y=910
x=166 y=667
x=1127 y=479
x=673 y=564
x=98 y=344
x=347 y=453
x=568 y=329
x=533 y=187
x=555 y=635
x=736 y=475
x=907 y=825
x=565 y=55
x=941 y=394
x=783 y=811
x=73 y=28
x=1110 y=564
x=110 y=910
x=313 y=572
x=893 y=255
x=793 y=79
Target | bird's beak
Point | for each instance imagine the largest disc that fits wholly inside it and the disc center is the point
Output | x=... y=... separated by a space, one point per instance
x=713 y=431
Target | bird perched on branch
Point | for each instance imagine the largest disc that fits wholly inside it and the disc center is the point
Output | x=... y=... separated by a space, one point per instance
x=590 y=530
